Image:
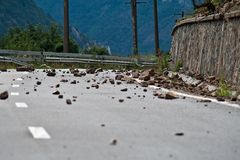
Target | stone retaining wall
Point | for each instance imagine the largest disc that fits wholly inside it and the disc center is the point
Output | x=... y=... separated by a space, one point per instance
x=209 y=45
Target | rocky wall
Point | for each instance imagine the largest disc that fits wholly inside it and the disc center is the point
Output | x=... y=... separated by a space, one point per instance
x=209 y=45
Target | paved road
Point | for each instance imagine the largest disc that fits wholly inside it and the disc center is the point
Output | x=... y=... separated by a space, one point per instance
x=144 y=127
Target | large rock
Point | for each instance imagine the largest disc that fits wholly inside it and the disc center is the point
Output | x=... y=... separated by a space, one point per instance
x=135 y=75
x=91 y=70
x=167 y=96
x=112 y=81
x=51 y=74
x=119 y=77
x=238 y=98
x=144 y=84
x=170 y=96
x=146 y=75
x=210 y=88
x=74 y=71
x=189 y=80
x=4 y=95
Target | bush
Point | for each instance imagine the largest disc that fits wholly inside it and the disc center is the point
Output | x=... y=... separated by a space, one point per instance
x=96 y=50
x=36 y=38
x=223 y=89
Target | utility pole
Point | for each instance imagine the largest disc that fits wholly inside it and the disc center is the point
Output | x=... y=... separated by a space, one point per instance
x=134 y=4
x=155 y=10
x=134 y=26
x=66 y=27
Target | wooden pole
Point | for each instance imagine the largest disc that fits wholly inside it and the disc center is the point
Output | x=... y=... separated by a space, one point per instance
x=155 y=10
x=134 y=26
x=66 y=27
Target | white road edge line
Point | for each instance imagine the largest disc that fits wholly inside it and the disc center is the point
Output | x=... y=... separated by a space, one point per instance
x=14 y=94
x=198 y=97
x=21 y=105
x=192 y=96
x=15 y=85
x=39 y=132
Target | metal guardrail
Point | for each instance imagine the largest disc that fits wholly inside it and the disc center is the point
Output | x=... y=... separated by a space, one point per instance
x=12 y=60
x=21 y=57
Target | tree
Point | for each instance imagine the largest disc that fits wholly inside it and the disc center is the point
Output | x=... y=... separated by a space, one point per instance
x=36 y=38
x=96 y=50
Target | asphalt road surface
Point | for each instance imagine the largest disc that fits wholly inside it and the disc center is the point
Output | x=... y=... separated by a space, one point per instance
x=40 y=126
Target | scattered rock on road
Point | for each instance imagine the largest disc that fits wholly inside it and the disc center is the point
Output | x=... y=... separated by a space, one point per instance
x=144 y=84
x=171 y=96
x=56 y=93
x=146 y=75
x=112 y=81
x=91 y=70
x=4 y=95
x=121 y=100
x=238 y=98
x=51 y=74
x=104 y=81
x=179 y=134
x=119 y=77
x=68 y=101
x=204 y=101
x=220 y=99
x=74 y=82
x=95 y=86
x=25 y=69
x=124 y=90
x=113 y=142
x=60 y=96
x=64 y=80
x=135 y=75
x=39 y=83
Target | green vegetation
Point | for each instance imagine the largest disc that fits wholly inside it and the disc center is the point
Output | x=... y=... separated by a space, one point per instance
x=178 y=66
x=20 y=13
x=96 y=50
x=163 y=63
x=36 y=38
x=215 y=2
x=6 y=65
x=223 y=89
x=38 y=65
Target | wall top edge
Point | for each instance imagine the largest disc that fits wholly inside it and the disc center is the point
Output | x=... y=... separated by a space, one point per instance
x=213 y=17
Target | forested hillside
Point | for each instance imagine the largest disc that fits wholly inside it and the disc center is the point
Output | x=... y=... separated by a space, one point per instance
x=21 y=13
x=109 y=21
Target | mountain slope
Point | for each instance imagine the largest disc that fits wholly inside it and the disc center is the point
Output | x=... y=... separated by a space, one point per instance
x=109 y=21
x=20 y=13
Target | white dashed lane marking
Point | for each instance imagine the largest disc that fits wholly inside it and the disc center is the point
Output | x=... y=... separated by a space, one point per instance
x=39 y=132
x=14 y=94
x=15 y=86
x=21 y=105
x=19 y=79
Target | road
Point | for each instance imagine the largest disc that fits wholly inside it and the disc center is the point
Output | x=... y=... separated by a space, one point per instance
x=40 y=126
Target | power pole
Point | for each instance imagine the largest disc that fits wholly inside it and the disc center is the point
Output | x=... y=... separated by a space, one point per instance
x=66 y=27
x=134 y=26
x=155 y=10
x=134 y=4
